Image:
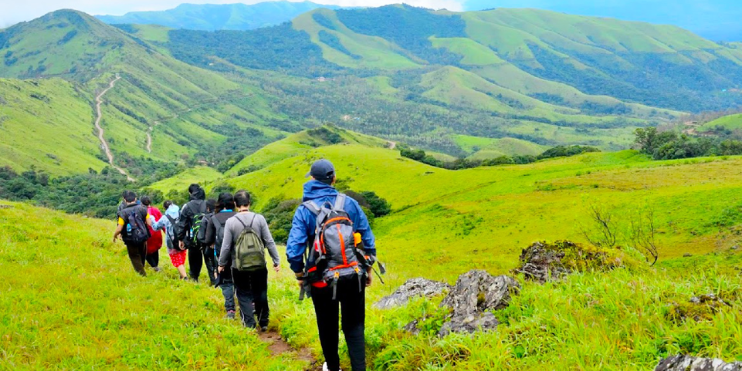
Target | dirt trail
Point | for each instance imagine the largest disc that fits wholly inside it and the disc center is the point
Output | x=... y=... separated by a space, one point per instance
x=101 y=133
x=277 y=346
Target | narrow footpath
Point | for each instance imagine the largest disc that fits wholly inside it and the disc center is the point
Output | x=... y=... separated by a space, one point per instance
x=101 y=137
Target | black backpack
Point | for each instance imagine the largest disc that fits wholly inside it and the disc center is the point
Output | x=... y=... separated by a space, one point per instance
x=135 y=227
x=192 y=235
x=218 y=235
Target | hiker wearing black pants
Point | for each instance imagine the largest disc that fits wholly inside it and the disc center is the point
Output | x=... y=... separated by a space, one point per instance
x=132 y=224
x=251 y=285
x=190 y=217
x=341 y=297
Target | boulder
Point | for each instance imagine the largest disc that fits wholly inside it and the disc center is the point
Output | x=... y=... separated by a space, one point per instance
x=544 y=261
x=688 y=363
x=415 y=287
x=475 y=295
x=699 y=308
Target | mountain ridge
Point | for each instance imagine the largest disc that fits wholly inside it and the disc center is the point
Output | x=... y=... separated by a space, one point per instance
x=211 y=17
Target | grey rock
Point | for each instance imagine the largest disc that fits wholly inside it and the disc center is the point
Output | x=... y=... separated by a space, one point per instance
x=475 y=295
x=687 y=255
x=735 y=247
x=688 y=363
x=416 y=287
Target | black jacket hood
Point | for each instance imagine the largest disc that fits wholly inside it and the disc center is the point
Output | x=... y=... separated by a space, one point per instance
x=200 y=194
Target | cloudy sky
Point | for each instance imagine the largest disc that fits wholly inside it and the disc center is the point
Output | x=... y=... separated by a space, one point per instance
x=13 y=11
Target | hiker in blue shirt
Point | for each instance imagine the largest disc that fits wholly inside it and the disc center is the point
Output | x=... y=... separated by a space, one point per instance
x=167 y=222
x=346 y=294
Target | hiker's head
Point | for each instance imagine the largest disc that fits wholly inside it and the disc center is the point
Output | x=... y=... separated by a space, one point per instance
x=210 y=205
x=130 y=197
x=196 y=192
x=242 y=198
x=323 y=171
x=225 y=202
x=146 y=201
x=166 y=205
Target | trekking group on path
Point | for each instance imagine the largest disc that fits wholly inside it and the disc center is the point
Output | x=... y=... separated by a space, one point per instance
x=331 y=249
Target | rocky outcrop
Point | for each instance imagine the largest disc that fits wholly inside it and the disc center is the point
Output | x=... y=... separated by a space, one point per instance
x=687 y=363
x=472 y=300
x=699 y=308
x=416 y=287
x=544 y=261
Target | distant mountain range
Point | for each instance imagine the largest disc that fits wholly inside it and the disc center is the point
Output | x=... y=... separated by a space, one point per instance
x=717 y=20
x=210 y=17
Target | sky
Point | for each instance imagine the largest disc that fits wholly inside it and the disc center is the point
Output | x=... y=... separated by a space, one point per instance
x=14 y=11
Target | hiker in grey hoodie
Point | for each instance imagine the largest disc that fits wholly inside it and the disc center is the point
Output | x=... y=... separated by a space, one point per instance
x=251 y=286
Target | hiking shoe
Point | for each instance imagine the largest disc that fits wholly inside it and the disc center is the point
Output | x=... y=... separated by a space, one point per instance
x=157 y=269
x=325 y=368
x=231 y=314
x=264 y=328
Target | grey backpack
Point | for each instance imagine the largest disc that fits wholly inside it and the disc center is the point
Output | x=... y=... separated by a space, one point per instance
x=334 y=252
x=249 y=254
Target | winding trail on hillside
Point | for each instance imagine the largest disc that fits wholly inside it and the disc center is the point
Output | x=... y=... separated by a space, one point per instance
x=101 y=133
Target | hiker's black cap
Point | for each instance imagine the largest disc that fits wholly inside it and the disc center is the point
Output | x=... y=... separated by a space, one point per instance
x=322 y=170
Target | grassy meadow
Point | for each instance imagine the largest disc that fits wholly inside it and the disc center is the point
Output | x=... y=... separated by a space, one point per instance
x=74 y=302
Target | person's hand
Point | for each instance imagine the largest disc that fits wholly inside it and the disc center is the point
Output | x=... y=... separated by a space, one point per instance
x=182 y=245
x=277 y=268
x=300 y=283
x=369 y=277
x=115 y=238
x=220 y=270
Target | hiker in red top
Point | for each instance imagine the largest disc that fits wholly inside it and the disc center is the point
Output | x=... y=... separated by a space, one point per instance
x=154 y=243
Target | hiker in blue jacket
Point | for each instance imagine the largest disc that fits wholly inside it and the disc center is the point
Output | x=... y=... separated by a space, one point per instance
x=352 y=300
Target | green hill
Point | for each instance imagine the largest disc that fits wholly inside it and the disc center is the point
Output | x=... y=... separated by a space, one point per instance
x=570 y=60
x=218 y=16
x=731 y=123
x=160 y=109
x=445 y=223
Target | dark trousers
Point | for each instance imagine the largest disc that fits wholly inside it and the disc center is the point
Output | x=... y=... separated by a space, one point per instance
x=228 y=292
x=252 y=296
x=195 y=261
x=137 y=253
x=211 y=264
x=352 y=303
x=153 y=259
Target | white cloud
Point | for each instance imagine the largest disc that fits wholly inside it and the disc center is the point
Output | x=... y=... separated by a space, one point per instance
x=15 y=11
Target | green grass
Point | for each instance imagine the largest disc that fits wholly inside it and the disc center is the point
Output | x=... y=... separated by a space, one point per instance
x=480 y=147
x=47 y=124
x=200 y=175
x=72 y=301
x=443 y=223
x=731 y=122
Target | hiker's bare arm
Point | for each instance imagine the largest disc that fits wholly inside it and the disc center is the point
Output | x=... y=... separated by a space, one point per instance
x=116 y=234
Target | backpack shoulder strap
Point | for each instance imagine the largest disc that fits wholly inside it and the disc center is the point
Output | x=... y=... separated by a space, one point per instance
x=340 y=202
x=312 y=206
x=240 y=220
x=216 y=222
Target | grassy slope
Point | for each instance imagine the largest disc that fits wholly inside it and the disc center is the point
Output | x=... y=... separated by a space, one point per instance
x=47 y=124
x=200 y=175
x=71 y=300
x=193 y=106
x=731 y=122
x=446 y=223
x=477 y=146
x=519 y=204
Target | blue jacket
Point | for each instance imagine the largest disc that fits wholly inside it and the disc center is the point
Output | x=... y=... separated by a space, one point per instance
x=164 y=223
x=305 y=222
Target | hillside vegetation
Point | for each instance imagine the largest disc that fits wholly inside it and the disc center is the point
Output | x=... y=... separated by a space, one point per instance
x=212 y=17
x=185 y=110
x=443 y=223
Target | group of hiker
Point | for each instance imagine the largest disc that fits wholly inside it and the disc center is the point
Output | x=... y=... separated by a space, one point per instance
x=330 y=248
